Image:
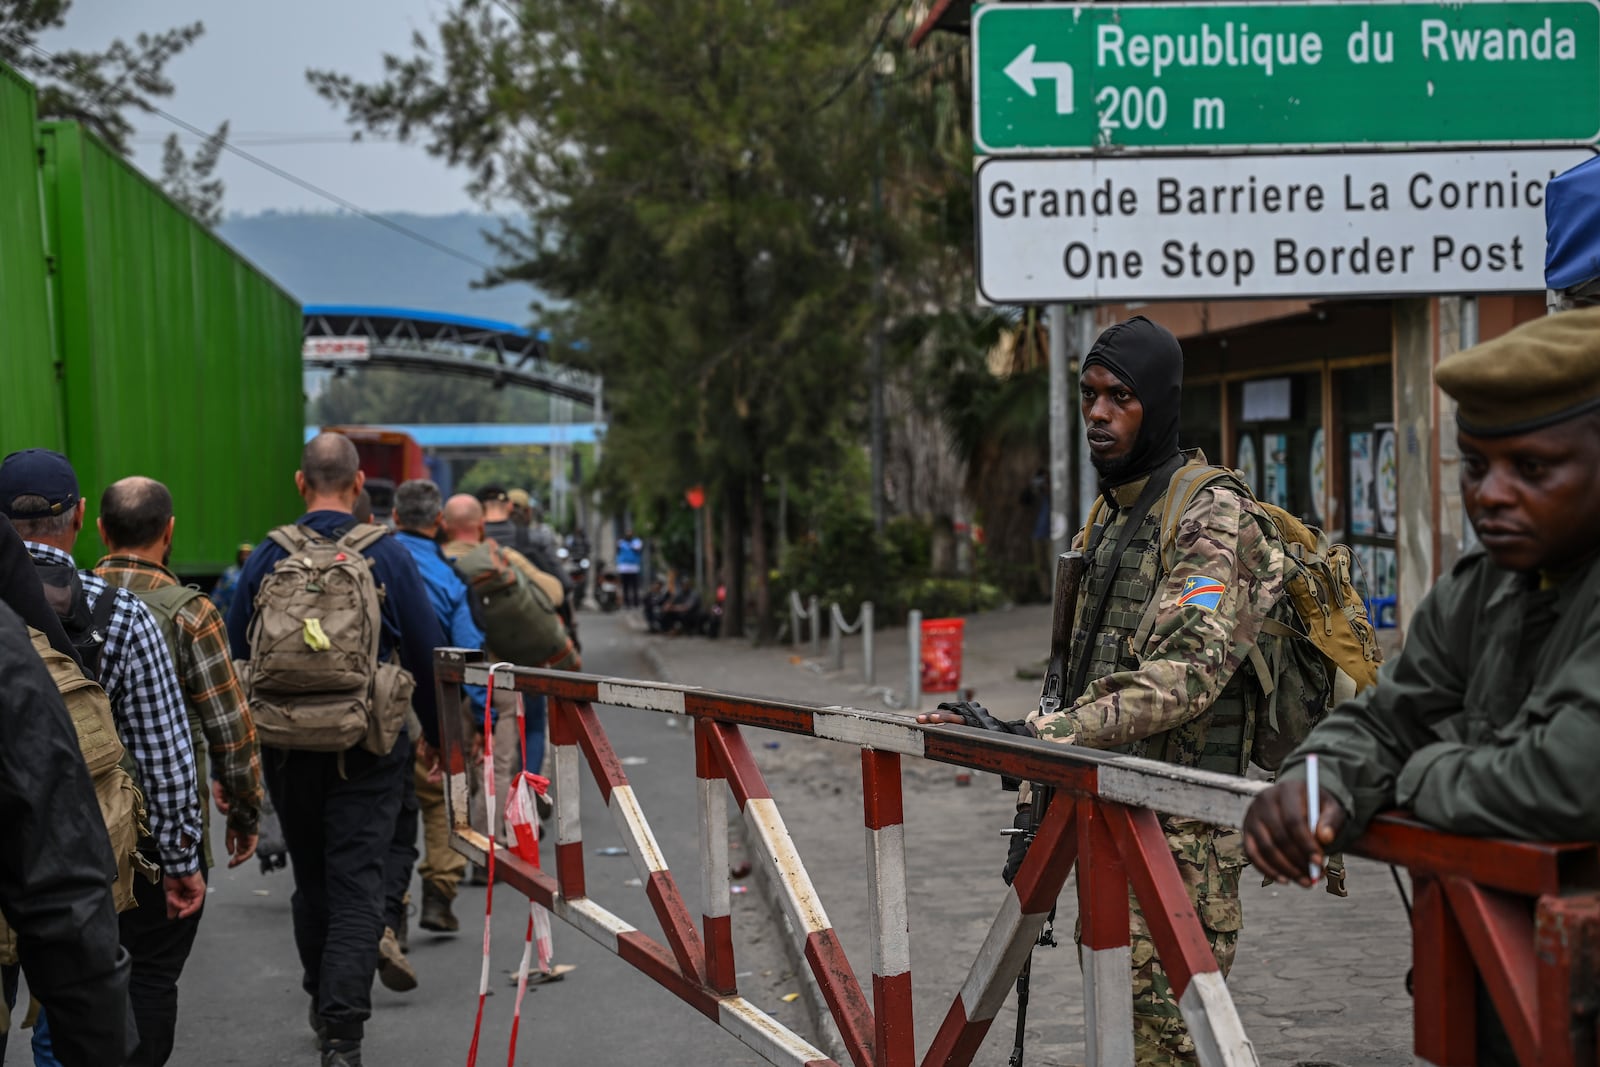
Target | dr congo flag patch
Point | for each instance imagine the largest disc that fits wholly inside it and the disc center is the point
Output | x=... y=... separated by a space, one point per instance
x=1203 y=593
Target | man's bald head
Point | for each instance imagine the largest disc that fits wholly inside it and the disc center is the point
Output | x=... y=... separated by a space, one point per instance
x=330 y=464
x=463 y=518
x=330 y=472
x=135 y=513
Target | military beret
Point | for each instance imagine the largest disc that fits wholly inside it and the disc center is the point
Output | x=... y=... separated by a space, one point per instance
x=1541 y=373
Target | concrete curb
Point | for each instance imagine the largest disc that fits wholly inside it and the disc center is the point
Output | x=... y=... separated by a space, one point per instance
x=825 y=1032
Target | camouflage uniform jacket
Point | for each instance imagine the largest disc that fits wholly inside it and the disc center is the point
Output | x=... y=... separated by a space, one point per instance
x=1180 y=697
x=1488 y=721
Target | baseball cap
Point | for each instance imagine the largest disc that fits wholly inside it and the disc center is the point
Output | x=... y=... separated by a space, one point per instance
x=491 y=492
x=519 y=497
x=37 y=472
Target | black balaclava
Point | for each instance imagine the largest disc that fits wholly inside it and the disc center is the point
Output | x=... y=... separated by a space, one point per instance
x=1148 y=360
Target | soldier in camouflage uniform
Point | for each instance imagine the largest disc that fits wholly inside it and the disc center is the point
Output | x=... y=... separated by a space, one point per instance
x=1159 y=675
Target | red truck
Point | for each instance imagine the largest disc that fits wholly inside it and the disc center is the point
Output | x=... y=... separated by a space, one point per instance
x=388 y=457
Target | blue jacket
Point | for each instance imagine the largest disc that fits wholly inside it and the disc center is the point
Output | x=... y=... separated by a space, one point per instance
x=409 y=622
x=450 y=600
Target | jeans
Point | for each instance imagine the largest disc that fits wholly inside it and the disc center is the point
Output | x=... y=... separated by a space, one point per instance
x=338 y=812
x=533 y=722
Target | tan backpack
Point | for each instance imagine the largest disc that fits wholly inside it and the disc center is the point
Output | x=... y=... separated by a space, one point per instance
x=520 y=624
x=314 y=681
x=110 y=766
x=1320 y=650
x=165 y=602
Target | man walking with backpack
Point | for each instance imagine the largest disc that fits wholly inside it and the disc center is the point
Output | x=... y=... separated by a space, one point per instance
x=323 y=608
x=136 y=522
x=417 y=511
x=119 y=642
x=518 y=606
x=1170 y=688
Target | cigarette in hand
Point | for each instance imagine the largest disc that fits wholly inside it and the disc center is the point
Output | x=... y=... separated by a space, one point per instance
x=1313 y=806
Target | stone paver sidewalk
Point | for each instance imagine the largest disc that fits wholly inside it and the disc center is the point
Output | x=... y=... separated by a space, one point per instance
x=1317 y=979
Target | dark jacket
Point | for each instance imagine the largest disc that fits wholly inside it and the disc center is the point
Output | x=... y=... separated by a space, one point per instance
x=56 y=873
x=409 y=623
x=1488 y=722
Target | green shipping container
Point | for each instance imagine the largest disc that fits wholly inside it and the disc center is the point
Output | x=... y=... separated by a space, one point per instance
x=180 y=360
x=30 y=400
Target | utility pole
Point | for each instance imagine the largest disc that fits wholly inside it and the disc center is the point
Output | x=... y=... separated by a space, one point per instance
x=883 y=63
x=1088 y=480
x=1063 y=423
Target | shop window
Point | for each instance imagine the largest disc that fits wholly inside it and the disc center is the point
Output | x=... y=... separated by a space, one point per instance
x=1369 y=486
x=1276 y=423
x=1200 y=424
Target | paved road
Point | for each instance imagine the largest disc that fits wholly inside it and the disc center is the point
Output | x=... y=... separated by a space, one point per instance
x=1318 y=980
x=240 y=996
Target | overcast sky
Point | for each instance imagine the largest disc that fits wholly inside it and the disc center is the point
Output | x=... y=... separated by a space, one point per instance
x=249 y=67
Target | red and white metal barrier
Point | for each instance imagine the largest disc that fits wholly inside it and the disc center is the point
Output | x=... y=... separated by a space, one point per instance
x=1483 y=907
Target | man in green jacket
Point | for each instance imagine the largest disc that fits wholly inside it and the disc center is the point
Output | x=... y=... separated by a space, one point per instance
x=1488 y=722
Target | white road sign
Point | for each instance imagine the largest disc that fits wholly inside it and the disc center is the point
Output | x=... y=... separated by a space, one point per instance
x=1066 y=230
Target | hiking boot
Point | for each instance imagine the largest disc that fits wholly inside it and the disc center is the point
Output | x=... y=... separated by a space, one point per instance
x=544 y=805
x=436 y=913
x=402 y=933
x=341 y=1054
x=394 y=970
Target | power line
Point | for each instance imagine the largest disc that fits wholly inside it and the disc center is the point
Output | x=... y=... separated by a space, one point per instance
x=310 y=187
x=276 y=139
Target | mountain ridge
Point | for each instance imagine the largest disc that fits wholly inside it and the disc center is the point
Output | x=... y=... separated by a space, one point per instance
x=343 y=258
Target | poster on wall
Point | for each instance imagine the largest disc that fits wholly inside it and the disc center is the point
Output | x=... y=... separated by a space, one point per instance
x=1386 y=577
x=1319 y=475
x=1363 y=508
x=1275 y=447
x=1388 y=482
x=1249 y=465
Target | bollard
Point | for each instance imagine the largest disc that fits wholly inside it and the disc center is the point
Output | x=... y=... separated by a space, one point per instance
x=914 y=680
x=816 y=625
x=835 y=638
x=795 y=612
x=868 y=667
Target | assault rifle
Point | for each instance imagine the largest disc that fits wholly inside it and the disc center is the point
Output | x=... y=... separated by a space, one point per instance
x=1070 y=568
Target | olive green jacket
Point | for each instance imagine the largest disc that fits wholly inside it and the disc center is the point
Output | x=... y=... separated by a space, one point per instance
x=1447 y=734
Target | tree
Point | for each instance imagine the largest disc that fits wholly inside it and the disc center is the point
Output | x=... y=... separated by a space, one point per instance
x=101 y=88
x=696 y=177
x=191 y=181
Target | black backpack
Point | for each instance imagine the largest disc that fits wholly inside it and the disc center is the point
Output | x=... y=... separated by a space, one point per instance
x=86 y=628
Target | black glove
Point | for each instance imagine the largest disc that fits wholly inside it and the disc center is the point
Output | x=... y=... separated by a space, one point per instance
x=977 y=716
x=1019 y=844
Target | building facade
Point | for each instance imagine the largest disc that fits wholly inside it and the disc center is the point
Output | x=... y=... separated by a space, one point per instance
x=1328 y=409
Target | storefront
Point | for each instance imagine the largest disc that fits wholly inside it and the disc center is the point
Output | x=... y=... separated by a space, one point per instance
x=1303 y=407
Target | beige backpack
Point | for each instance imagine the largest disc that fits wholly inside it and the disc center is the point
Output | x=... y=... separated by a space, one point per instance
x=313 y=680
x=110 y=766
x=1317 y=650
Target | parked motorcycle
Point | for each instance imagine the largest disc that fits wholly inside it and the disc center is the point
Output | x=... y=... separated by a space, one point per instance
x=608 y=593
x=577 y=568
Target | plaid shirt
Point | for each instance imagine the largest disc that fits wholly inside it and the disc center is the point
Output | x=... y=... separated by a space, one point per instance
x=211 y=687
x=136 y=673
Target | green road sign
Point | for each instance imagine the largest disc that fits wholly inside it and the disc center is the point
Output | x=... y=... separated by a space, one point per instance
x=1055 y=78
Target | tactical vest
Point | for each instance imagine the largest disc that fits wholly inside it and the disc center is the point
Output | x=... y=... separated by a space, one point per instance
x=1218 y=739
x=165 y=603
